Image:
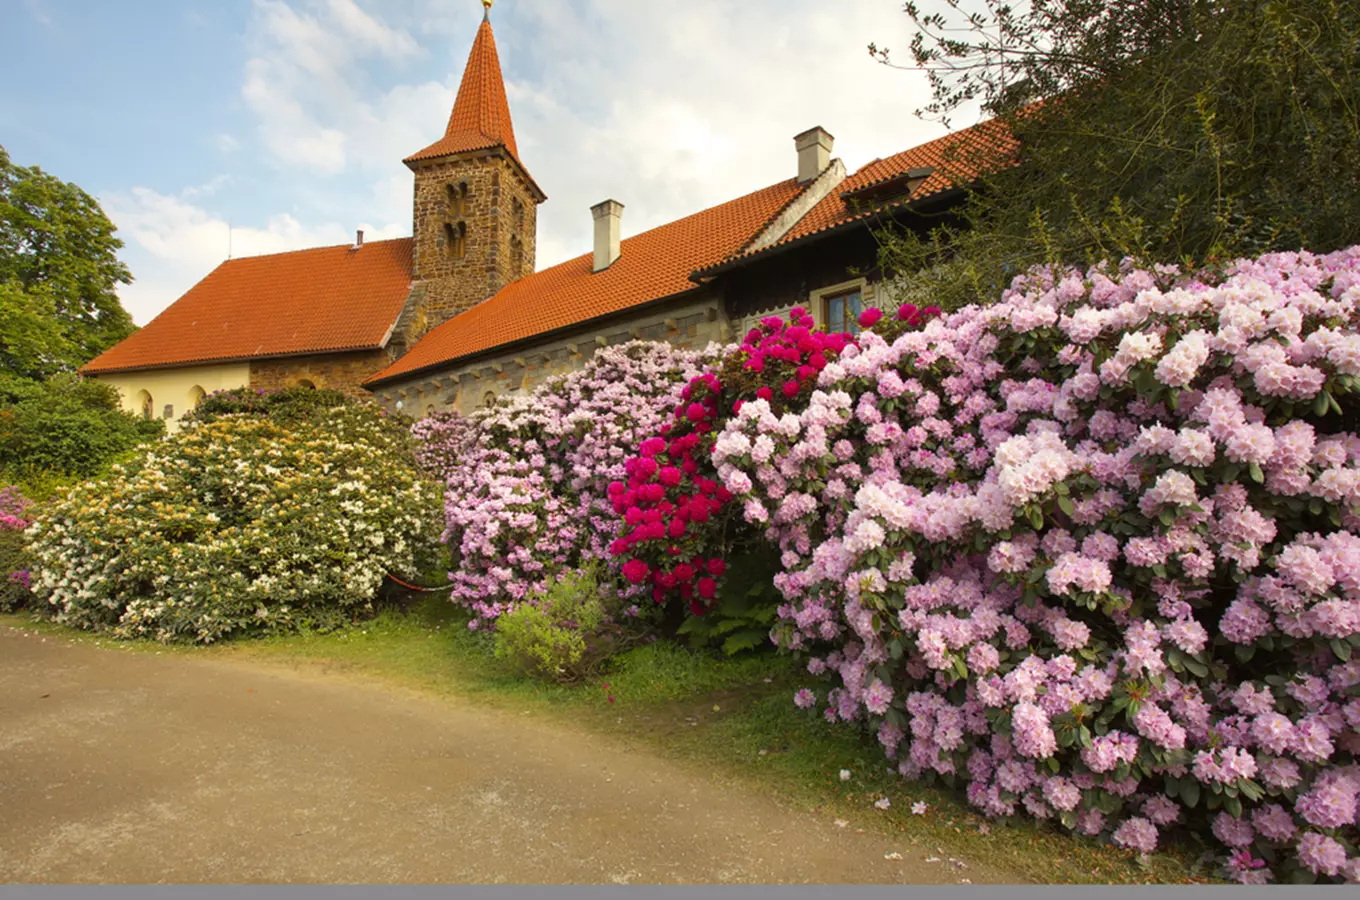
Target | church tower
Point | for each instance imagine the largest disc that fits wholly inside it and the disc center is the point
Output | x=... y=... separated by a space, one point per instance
x=476 y=206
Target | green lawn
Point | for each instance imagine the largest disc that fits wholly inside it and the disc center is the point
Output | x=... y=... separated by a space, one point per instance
x=734 y=716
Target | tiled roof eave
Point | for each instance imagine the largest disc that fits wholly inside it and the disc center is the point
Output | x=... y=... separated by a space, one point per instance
x=421 y=157
x=919 y=204
x=510 y=346
x=87 y=369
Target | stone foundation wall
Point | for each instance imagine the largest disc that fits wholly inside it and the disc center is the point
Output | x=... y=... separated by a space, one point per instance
x=344 y=372
x=692 y=324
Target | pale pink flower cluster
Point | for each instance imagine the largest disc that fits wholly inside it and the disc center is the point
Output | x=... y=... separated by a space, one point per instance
x=1152 y=479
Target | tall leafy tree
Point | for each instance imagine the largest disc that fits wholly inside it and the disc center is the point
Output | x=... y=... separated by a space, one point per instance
x=1166 y=130
x=59 y=273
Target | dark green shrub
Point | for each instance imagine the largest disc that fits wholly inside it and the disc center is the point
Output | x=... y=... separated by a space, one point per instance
x=745 y=610
x=65 y=425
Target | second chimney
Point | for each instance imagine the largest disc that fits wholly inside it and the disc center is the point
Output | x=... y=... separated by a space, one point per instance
x=607 y=215
x=358 y=239
x=814 y=153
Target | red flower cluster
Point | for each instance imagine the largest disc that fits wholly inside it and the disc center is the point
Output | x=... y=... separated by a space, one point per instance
x=666 y=502
x=671 y=502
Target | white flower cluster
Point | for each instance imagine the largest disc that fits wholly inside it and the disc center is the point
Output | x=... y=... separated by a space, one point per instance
x=241 y=524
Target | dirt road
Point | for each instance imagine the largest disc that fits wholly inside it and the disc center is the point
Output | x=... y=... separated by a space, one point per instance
x=136 y=768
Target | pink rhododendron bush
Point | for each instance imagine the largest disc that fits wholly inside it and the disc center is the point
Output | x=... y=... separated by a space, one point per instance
x=15 y=517
x=528 y=478
x=678 y=524
x=1091 y=552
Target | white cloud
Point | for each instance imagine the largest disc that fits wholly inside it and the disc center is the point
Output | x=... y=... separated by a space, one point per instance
x=668 y=108
x=172 y=243
x=226 y=143
x=304 y=78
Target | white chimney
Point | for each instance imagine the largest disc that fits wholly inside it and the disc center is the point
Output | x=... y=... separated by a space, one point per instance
x=607 y=218
x=358 y=239
x=814 y=153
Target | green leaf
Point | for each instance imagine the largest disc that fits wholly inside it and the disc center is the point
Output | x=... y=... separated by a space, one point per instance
x=1342 y=649
x=1066 y=505
x=1321 y=403
x=1256 y=474
x=1036 y=518
x=1190 y=792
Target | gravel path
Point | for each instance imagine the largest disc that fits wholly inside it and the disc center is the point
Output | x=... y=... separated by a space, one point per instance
x=136 y=768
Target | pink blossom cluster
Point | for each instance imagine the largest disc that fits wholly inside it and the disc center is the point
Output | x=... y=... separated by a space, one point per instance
x=15 y=517
x=673 y=506
x=14 y=509
x=527 y=478
x=1093 y=550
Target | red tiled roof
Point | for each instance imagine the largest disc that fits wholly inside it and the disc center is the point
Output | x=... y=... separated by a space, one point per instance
x=309 y=301
x=651 y=265
x=956 y=159
x=481 y=114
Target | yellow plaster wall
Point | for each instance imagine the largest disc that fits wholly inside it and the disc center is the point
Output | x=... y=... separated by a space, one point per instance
x=175 y=386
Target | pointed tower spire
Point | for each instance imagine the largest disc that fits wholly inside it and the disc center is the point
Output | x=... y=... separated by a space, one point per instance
x=481 y=114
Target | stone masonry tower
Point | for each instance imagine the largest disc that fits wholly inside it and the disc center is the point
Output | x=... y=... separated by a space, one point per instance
x=476 y=206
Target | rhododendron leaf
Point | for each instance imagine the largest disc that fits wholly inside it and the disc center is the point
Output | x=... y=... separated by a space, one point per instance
x=1231 y=471
x=1167 y=517
x=1321 y=404
x=1036 y=518
x=1256 y=474
x=1190 y=792
x=1251 y=790
x=1342 y=649
x=1066 y=505
x=1233 y=806
x=1244 y=653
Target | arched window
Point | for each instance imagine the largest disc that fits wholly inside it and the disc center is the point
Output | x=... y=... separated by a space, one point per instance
x=307 y=383
x=516 y=256
x=196 y=395
x=145 y=405
x=519 y=216
x=455 y=239
x=489 y=399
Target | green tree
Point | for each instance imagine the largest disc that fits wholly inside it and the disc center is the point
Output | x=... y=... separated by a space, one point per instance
x=1165 y=130
x=59 y=273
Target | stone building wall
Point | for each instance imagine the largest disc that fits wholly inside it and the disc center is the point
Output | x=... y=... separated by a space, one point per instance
x=485 y=197
x=691 y=322
x=344 y=372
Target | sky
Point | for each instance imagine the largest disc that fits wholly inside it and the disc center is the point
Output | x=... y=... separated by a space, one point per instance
x=258 y=126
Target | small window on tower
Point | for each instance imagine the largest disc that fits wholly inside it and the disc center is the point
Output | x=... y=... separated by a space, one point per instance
x=455 y=239
x=457 y=196
x=519 y=217
x=516 y=256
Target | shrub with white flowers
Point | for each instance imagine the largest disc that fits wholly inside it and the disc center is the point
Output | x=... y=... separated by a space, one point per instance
x=238 y=525
x=1093 y=552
